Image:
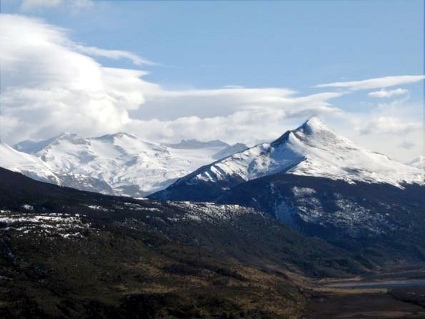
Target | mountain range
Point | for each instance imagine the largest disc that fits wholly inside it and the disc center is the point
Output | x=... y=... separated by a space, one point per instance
x=321 y=184
x=313 y=149
x=311 y=178
x=124 y=164
x=116 y=164
x=226 y=231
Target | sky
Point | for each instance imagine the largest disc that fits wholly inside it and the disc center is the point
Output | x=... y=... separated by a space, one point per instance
x=239 y=71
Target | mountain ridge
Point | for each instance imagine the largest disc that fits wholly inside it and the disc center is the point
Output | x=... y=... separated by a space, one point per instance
x=313 y=149
x=321 y=184
x=116 y=164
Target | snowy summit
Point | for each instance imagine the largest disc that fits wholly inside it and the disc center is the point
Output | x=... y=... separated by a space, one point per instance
x=313 y=149
x=119 y=164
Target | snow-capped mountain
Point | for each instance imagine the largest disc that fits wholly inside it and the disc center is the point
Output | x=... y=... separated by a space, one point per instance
x=314 y=180
x=313 y=149
x=37 y=169
x=26 y=164
x=127 y=164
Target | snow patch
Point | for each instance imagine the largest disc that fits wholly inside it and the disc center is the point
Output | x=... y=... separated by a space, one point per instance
x=210 y=212
x=63 y=225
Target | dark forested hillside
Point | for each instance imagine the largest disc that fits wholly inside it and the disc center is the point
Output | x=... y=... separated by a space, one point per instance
x=67 y=253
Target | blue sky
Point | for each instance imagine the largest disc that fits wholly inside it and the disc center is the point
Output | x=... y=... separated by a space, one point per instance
x=255 y=44
x=226 y=63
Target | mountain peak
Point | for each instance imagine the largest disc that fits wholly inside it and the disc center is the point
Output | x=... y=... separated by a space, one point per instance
x=314 y=124
x=70 y=137
x=67 y=135
x=118 y=135
x=33 y=167
x=313 y=149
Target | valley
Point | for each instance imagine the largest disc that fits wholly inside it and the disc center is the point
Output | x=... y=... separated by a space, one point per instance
x=398 y=293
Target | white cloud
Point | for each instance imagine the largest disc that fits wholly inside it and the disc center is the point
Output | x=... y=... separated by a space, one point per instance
x=169 y=105
x=394 y=128
x=47 y=87
x=388 y=124
x=375 y=83
x=51 y=84
x=388 y=93
x=113 y=54
x=249 y=126
x=407 y=145
x=31 y=4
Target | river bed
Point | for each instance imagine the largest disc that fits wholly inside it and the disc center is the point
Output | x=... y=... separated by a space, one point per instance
x=387 y=284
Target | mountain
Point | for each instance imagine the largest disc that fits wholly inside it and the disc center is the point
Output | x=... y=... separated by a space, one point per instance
x=322 y=184
x=313 y=149
x=68 y=253
x=37 y=169
x=29 y=146
x=120 y=164
x=26 y=164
